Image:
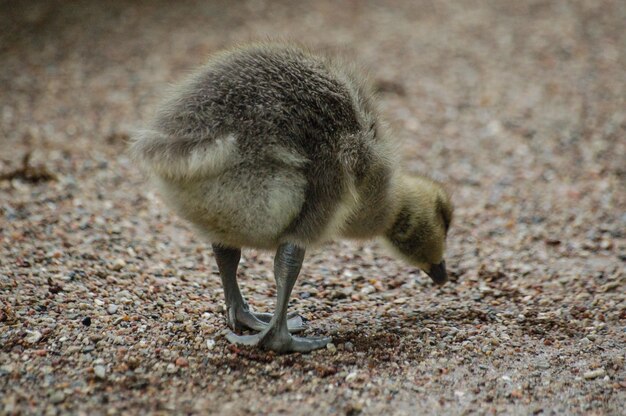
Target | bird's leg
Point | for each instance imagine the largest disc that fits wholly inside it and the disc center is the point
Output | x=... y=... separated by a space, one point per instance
x=276 y=336
x=238 y=313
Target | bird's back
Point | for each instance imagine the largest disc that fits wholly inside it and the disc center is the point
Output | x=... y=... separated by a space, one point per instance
x=265 y=94
x=276 y=122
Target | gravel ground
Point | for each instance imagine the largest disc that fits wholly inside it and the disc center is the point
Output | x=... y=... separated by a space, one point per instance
x=109 y=304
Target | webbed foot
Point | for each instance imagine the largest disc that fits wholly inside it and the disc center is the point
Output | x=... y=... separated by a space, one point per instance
x=275 y=330
x=279 y=342
x=243 y=317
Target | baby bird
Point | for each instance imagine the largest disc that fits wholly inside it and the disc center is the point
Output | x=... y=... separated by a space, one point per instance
x=270 y=146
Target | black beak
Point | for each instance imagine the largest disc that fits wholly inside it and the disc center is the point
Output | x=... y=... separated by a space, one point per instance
x=438 y=273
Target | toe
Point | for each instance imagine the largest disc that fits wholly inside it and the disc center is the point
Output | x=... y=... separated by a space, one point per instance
x=299 y=344
x=295 y=324
x=258 y=321
x=267 y=317
x=250 y=340
x=263 y=317
x=251 y=320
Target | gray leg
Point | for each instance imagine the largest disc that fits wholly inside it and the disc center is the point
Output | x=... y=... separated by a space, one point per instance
x=276 y=337
x=238 y=313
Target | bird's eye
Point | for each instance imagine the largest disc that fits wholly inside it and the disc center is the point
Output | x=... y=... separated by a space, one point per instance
x=446 y=215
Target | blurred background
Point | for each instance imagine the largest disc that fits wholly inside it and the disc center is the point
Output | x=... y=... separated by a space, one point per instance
x=452 y=74
x=492 y=97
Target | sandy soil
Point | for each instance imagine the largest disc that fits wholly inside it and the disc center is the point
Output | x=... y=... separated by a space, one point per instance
x=109 y=304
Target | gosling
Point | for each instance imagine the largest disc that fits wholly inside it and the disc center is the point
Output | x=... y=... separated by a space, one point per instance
x=270 y=146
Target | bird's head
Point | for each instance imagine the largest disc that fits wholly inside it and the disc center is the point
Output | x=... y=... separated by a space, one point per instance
x=418 y=232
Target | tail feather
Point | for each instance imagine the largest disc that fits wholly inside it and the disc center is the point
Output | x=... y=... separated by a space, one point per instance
x=181 y=158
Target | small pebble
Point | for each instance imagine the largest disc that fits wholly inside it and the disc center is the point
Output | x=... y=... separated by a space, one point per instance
x=33 y=337
x=57 y=397
x=368 y=289
x=590 y=375
x=112 y=309
x=99 y=371
x=171 y=368
x=331 y=347
x=118 y=265
x=86 y=321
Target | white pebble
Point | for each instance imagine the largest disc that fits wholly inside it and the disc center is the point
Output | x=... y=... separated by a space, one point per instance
x=33 y=337
x=590 y=375
x=368 y=289
x=99 y=371
x=118 y=265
